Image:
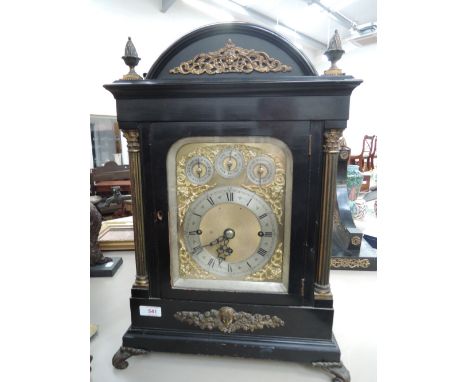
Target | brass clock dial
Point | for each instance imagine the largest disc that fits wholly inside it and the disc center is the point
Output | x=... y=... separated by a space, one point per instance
x=199 y=170
x=230 y=203
x=261 y=170
x=230 y=231
x=229 y=163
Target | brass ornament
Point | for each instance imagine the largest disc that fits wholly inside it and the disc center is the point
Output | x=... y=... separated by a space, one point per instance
x=227 y=320
x=344 y=154
x=336 y=369
x=231 y=59
x=133 y=143
x=355 y=240
x=119 y=361
x=349 y=263
x=332 y=140
x=334 y=53
x=131 y=59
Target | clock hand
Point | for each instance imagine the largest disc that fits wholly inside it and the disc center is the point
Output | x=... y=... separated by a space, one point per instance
x=216 y=241
x=223 y=249
x=229 y=162
x=260 y=171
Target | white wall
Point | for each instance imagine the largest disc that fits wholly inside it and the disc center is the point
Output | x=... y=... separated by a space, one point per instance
x=151 y=31
x=112 y=21
x=361 y=63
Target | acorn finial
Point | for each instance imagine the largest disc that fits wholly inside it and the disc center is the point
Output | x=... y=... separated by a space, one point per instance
x=131 y=59
x=334 y=53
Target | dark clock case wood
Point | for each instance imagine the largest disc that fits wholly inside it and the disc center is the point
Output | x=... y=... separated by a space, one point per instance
x=296 y=107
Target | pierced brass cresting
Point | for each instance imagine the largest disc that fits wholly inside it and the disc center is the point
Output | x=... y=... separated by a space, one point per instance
x=227 y=320
x=231 y=59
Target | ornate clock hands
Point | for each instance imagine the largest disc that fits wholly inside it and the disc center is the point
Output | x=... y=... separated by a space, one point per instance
x=216 y=241
x=223 y=249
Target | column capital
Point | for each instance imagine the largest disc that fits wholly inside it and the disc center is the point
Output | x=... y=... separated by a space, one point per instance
x=332 y=140
x=133 y=141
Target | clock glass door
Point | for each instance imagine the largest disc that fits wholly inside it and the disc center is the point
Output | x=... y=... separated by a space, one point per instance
x=229 y=214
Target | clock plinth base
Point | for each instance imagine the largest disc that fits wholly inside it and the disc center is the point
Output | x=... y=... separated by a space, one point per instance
x=323 y=354
x=298 y=350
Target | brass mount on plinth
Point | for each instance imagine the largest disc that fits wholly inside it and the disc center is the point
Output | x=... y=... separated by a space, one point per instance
x=227 y=320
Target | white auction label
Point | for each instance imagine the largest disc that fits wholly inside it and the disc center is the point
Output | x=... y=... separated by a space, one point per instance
x=153 y=311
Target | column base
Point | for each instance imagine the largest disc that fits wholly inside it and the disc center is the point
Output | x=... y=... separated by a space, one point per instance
x=141 y=282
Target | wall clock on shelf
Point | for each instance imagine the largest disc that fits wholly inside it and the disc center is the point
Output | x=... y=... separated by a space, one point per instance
x=233 y=145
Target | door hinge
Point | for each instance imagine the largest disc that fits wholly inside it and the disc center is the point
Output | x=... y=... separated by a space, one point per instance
x=309 y=151
x=302 y=287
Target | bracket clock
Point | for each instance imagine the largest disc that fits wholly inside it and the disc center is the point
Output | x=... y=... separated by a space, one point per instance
x=233 y=146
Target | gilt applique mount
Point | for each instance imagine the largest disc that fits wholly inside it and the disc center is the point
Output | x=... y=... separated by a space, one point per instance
x=231 y=59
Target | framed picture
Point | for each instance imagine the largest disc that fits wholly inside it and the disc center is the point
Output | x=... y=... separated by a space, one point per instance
x=117 y=235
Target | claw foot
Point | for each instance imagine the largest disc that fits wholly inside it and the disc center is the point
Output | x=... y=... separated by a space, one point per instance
x=119 y=359
x=337 y=369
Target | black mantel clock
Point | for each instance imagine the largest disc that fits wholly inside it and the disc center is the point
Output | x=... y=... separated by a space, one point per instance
x=233 y=145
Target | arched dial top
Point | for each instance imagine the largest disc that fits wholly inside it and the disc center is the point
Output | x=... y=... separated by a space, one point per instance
x=230 y=231
x=231 y=50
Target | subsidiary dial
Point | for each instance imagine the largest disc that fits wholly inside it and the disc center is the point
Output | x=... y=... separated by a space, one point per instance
x=199 y=170
x=261 y=170
x=229 y=163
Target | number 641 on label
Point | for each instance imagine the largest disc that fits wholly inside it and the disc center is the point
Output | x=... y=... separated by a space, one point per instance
x=152 y=311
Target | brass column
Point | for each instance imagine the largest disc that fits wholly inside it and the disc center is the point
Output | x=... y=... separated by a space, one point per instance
x=133 y=145
x=331 y=149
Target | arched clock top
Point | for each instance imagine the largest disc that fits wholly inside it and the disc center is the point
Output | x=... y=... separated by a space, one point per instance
x=231 y=50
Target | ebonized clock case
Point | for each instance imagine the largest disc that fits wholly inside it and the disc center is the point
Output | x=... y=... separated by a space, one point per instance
x=308 y=113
